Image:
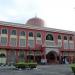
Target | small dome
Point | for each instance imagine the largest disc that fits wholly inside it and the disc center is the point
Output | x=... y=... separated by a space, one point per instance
x=35 y=22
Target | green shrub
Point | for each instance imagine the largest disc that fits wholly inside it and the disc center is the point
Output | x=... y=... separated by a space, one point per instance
x=20 y=65
x=73 y=67
x=24 y=65
x=32 y=65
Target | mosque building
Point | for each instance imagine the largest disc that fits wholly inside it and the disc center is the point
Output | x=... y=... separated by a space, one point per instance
x=35 y=42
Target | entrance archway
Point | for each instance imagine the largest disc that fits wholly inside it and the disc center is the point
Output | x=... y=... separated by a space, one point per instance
x=2 y=58
x=52 y=57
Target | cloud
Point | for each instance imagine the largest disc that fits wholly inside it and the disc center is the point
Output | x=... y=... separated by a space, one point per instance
x=3 y=18
x=54 y=12
x=12 y=12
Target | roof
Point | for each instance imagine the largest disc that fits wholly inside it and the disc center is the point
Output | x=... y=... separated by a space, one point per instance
x=35 y=27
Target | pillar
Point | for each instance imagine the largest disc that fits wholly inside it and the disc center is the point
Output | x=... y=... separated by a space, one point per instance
x=17 y=59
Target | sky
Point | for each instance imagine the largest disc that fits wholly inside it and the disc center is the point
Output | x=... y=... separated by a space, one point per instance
x=59 y=14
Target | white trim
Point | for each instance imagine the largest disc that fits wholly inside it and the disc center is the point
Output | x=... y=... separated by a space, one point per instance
x=4 y=35
x=59 y=40
x=13 y=36
x=38 y=39
x=22 y=37
x=30 y=38
x=49 y=41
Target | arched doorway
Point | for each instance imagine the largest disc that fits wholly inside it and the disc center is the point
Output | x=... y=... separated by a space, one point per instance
x=52 y=57
x=2 y=58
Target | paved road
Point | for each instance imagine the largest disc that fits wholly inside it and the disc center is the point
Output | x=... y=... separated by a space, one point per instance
x=40 y=70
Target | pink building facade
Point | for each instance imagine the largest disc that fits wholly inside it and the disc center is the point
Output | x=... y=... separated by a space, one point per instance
x=34 y=42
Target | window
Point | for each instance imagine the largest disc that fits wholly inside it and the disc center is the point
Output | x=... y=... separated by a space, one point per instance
x=22 y=43
x=13 y=32
x=3 y=41
x=70 y=38
x=65 y=37
x=49 y=37
x=2 y=55
x=30 y=34
x=59 y=37
x=22 y=33
x=4 y=31
x=13 y=42
x=38 y=35
x=21 y=56
x=31 y=43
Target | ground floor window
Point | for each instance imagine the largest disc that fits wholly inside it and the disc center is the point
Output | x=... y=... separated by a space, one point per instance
x=21 y=56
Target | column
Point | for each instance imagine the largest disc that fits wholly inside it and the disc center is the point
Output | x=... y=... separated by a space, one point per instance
x=43 y=45
x=17 y=59
x=34 y=56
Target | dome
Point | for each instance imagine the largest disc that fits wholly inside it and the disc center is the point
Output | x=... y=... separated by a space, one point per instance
x=35 y=22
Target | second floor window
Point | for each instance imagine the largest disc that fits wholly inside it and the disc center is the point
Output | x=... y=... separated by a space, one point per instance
x=59 y=37
x=49 y=37
x=65 y=37
x=13 y=32
x=30 y=34
x=4 y=31
x=22 y=33
x=38 y=35
x=70 y=38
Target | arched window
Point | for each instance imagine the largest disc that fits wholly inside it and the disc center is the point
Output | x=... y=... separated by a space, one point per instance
x=70 y=38
x=38 y=35
x=65 y=37
x=2 y=55
x=13 y=32
x=30 y=34
x=49 y=37
x=59 y=37
x=4 y=31
x=22 y=33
